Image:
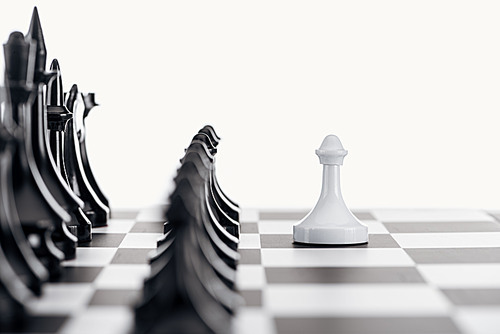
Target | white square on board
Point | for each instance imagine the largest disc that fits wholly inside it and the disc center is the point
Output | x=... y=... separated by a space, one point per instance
x=335 y=257
x=123 y=276
x=116 y=226
x=101 y=320
x=61 y=299
x=92 y=257
x=140 y=240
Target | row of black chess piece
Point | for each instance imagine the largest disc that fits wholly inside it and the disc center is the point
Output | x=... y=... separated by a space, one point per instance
x=191 y=288
x=49 y=199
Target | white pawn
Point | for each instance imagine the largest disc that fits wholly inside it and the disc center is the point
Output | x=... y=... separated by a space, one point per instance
x=330 y=221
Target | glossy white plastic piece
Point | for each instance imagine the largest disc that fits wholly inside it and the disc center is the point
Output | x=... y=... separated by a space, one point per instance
x=330 y=221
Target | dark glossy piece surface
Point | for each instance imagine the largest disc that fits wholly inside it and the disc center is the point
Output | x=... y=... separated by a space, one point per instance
x=59 y=189
x=58 y=116
x=40 y=214
x=191 y=288
x=15 y=245
x=95 y=210
x=37 y=130
x=199 y=154
x=36 y=127
x=13 y=294
x=213 y=141
x=89 y=102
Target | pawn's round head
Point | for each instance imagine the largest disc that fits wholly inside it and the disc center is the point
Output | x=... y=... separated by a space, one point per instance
x=331 y=151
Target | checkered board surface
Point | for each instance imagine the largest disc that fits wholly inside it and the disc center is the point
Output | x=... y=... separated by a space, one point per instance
x=423 y=271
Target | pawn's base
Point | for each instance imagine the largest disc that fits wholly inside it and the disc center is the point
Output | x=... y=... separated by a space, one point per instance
x=325 y=235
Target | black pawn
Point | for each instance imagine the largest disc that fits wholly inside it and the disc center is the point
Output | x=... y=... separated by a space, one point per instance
x=58 y=116
x=95 y=210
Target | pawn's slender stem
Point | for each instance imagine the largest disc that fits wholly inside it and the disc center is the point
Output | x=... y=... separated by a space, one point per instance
x=331 y=181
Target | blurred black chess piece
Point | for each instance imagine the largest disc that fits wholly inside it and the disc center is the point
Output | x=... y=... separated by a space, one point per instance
x=13 y=295
x=224 y=210
x=20 y=268
x=226 y=204
x=205 y=159
x=89 y=103
x=214 y=140
x=191 y=288
x=95 y=210
x=210 y=132
x=15 y=245
x=58 y=116
x=40 y=214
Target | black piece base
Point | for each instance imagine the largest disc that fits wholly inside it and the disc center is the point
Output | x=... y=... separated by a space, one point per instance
x=233 y=230
x=65 y=241
x=83 y=229
x=45 y=250
x=12 y=314
x=83 y=233
x=98 y=219
x=69 y=249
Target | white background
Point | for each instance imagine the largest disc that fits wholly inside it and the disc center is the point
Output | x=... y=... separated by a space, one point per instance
x=410 y=87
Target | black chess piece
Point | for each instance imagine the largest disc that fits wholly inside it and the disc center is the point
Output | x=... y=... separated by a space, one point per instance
x=221 y=209
x=203 y=137
x=13 y=295
x=209 y=246
x=222 y=240
x=191 y=288
x=89 y=102
x=226 y=205
x=95 y=210
x=36 y=127
x=199 y=153
x=80 y=226
x=192 y=298
x=223 y=245
x=16 y=247
x=209 y=131
x=194 y=165
x=40 y=214
x=58 y=116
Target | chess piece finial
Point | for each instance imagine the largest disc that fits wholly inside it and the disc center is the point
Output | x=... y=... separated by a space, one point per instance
x=57 y=114
x=35 y=33
x=55 y=92
x=17 y=53
x=330 y=221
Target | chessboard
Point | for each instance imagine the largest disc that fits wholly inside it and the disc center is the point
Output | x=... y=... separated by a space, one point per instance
x=423 y=271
